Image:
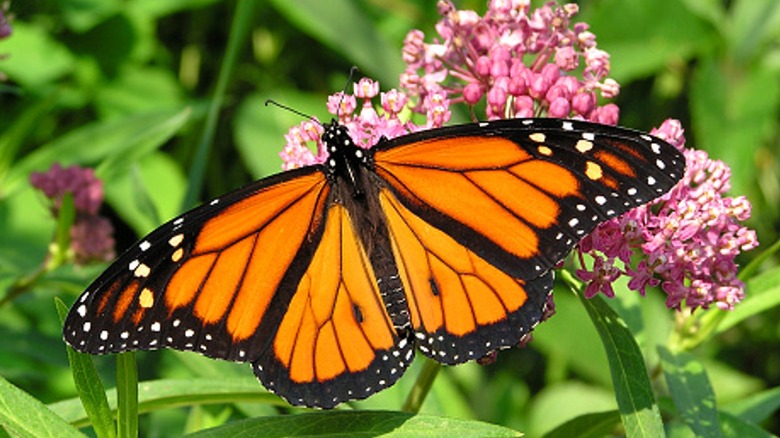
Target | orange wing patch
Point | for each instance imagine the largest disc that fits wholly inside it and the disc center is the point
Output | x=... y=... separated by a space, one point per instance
x=490 y=192
x=453 y=294
x=241 y=255
x=336 y=321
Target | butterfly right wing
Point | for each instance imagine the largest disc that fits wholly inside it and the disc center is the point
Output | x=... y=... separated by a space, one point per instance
x=336 y=341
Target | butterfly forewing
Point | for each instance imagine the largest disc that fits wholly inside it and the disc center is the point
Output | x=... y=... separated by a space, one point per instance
x=522 y=193
x=204 y=281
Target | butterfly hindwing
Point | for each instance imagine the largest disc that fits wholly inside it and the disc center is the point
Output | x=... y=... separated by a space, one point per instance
x=461 y=307
x=336 y=341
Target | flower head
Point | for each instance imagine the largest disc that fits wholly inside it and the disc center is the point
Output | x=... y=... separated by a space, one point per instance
x=91 y=234
x=688 y=239
x=523 y=63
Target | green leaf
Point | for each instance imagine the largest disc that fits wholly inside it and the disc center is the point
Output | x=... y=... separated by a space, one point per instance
x=118 y=141
x=149 y=193
x=633 y=391
x=356 y=424
x=754 y=24
x=328 y=21
x=558 y=403
x=735 y=427
x=89 y=387
x=762 y=293
x=35 y=57
x=691 y=391
x=755 y=408
x=138 y=89
x=580 y=352
x=589 y=425
x=171 y=393
x=24 y=416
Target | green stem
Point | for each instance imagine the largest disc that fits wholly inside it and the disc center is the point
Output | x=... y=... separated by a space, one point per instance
x=422 y=386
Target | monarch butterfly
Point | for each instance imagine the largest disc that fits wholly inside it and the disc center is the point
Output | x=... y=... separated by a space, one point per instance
x=327 y=278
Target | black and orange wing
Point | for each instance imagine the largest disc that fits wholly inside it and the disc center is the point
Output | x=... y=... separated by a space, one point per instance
x=336 y=341
x=479 y=214
x=210 y=280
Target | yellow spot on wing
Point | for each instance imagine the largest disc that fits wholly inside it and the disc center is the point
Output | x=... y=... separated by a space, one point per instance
x=176 y=240
x=584 y=146
x=176 y=256
x=537 y=137
x=142 y=271
x=146 y=299
x=544 y=150
x=593 y=171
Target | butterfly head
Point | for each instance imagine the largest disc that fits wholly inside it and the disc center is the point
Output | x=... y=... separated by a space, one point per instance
x=344 y=156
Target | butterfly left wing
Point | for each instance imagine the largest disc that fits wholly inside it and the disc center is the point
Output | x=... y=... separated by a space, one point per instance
x=210 y=280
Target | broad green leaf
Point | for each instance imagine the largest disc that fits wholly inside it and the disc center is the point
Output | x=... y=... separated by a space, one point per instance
x=89 y=387
x=735 y=427
x=24 y=416
x=734 y=112
x=569 y=338
x=587 y=426
x=559 y=403
x=35 y=58
x=691 y=391
x=136 y=90
x=754 y=23
x=357 y=424
x=633 y=391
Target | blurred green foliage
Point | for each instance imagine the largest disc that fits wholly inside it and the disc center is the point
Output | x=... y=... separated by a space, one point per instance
x=132 y=88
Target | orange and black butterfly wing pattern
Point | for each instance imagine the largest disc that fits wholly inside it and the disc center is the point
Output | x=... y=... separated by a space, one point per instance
x=511 y=198
x=461 y=307
x=336 y=341
x=213 y=280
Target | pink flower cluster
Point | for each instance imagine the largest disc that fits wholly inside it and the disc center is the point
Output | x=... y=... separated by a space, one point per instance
x=91 y=234
x=366 y=126
x=688 y=239
x=524 y=63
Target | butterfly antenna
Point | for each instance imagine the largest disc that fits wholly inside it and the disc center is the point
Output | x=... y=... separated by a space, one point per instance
x=292 y=110
x=350 y=81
